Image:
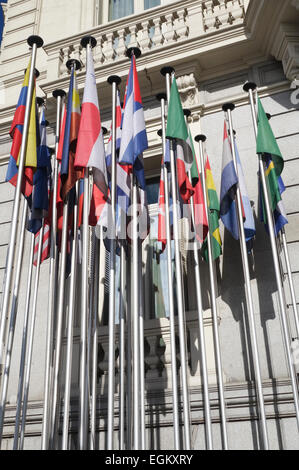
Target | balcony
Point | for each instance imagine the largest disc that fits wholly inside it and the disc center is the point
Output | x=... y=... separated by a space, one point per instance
x=181 y=29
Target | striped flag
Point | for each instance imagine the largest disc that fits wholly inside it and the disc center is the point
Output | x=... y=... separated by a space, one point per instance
x=162 y=220
x=16 y=133
x=68 y=174
x=134 y=142
x=200 y=214
x=90 y=147
x=134 y=138
x=213 y=216
x=46 y=244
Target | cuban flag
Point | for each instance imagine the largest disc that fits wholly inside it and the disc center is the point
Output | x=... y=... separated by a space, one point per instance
x=134 y=138
x=16 y=133
x=90 y=146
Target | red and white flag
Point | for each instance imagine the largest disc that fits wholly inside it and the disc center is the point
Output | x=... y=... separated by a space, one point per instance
x=90 y=146
x=46 y=245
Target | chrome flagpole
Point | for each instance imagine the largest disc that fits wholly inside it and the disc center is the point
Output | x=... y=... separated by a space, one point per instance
x=202 y=340
x=228 y=108
x=70 y=328
x=114 y=81
x=122 y=340
x=174 y=373
x=285 y=249
x=201 y=139
x=290 y=278
x=249 y=88
x=13 y=316
x=34 y=42
x=167 y=71
x=94 y=371
x=59 y=95
x=24 y=346
x=135 y=322
x=31 y=339
x=129 y=401
x=40 y=102
x=88 y=42
x=141 y=346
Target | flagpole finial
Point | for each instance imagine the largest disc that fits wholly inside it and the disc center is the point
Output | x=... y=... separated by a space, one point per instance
x=187 y=112
x=52 y=151
x=200 y=138
x=57 y=93
x=40 y=101
x=114 y=79
x=228 y=107
x=160 y=133
x=167 y=71
x=35 y=40
x=47 y=123
x=161 y=96
x=73 y=62
x=133 y=51
x=249 y=86
x=88 y=40
x=269 y=116
x=104 y=130
x=36 y=73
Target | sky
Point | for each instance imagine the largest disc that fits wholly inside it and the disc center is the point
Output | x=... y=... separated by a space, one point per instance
x=1 y=19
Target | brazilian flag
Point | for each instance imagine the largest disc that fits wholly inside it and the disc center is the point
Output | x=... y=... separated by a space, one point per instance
x=274 y=164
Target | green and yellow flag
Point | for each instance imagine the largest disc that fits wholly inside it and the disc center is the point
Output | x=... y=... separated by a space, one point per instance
x=213 y=215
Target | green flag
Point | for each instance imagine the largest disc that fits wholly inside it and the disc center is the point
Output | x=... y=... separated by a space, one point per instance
x=266 y=142
x=176 y=125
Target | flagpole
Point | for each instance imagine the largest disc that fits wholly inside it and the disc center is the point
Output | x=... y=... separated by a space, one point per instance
x=40 y=102
x=202 y=340
x=141 y=346
x=94 y=373
x=122 y=339
x=174 y=373
x=34 y=42
x=114 y=81
x=31 y=339
x=59 y=95
x=201 y=139
x=249 y=88
x=129 y=354
x=71 y=64
x=284 y=246
x=167 y=71
x=70 y=328
x=24 y=345
x=228 y=108
x=13 y=316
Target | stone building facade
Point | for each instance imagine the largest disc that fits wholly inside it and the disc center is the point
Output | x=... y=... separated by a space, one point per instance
x=215 y=46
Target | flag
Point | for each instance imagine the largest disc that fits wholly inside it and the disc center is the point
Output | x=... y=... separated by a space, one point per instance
x=80 y=202
x=46 y=248
x=162 y=219
x=134 y=138
x=276 y=186
x=177 y=129
x=266 y=142
x=134 y=142
x=249 y=223
x=68 y=174
x=200 y=215
x=118 y=133
x=268 y=148
x=213 y=216
x=16 y=133
x=39 y=200
x=90 y=147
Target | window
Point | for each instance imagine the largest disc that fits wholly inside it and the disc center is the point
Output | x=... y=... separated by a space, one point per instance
x=111 y=10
